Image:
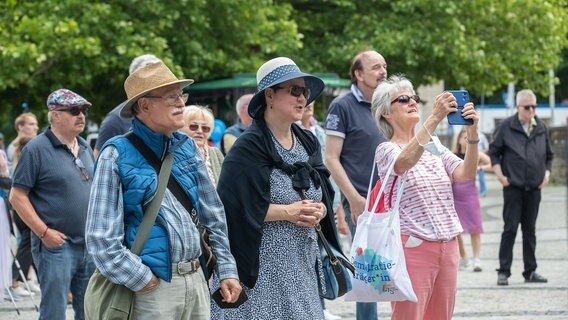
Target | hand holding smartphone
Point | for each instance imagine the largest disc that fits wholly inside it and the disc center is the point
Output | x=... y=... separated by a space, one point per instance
x=456 y=118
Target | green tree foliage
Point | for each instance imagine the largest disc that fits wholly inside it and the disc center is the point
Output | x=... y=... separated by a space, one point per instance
x=480 y=45
x=87 y=46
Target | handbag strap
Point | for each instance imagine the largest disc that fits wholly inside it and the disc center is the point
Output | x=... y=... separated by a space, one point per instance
x=151 y=211
x=383 y=185
x=174 y=187
x=332 y=257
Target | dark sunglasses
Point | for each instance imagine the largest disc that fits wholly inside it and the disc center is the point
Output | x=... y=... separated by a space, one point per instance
x=297 y=91
x=75 y=111
x=79 y=164
x=530 y=106
x=195 y=127
x=404 y=99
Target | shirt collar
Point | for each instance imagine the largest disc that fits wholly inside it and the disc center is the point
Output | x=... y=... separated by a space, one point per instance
x=357 y=93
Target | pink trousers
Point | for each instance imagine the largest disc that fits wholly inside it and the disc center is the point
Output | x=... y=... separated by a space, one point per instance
x=433 y=271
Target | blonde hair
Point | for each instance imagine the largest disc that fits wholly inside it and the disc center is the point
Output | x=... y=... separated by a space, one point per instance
x=19 y=144
x=194 y=112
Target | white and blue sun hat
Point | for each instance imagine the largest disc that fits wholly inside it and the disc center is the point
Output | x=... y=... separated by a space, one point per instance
x=276 y=71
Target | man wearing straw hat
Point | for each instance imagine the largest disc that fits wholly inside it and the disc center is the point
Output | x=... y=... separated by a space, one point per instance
x=166 y=277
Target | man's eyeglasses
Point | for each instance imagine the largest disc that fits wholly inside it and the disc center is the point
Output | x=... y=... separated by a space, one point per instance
x=527 y=107
x=195 y=127
x=79 y=164
x=297 y=91
x=404 y=99
x=75 y=111
x=172 y=99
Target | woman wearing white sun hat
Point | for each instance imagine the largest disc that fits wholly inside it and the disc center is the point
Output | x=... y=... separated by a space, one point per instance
x=270 y=227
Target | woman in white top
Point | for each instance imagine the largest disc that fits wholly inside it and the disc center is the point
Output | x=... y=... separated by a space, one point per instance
x=428 y=221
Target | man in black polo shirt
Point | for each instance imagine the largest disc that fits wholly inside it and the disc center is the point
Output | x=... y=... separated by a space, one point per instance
x=351 y=139
x=50 y=192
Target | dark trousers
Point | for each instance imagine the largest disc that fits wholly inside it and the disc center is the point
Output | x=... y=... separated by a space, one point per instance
x=24 y=253
x=521 y=206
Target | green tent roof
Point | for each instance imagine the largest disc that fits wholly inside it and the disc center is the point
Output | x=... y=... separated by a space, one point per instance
x=248 y=80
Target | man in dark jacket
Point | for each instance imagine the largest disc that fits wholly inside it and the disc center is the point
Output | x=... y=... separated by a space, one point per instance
x=522 y=158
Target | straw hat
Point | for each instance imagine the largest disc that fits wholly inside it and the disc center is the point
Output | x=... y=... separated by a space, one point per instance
x=142 y=81
x=276 y=71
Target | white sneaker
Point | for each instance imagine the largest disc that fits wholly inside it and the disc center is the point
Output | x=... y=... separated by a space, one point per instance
x=464 y=264
x=21 y=291
x=6 y=295
x=477 y=265
x=34 y=286
x=329 y=316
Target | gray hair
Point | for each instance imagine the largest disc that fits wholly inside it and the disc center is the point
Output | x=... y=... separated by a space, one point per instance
x=381 y=102
x=49 y=116
x=241 y=101
x=526 y=93
x=142 y=61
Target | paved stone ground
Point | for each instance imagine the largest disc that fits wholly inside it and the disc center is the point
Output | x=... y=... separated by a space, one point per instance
x=478 y=297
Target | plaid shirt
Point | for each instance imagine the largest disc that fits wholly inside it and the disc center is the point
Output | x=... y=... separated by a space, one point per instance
x=105 y=227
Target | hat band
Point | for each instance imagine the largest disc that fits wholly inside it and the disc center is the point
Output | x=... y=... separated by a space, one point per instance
x=275 y=75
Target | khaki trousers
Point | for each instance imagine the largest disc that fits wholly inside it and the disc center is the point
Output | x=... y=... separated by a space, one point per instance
x=186 y=297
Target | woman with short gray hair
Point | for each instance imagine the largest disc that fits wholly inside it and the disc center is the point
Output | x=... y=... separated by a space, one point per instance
x=428 y=221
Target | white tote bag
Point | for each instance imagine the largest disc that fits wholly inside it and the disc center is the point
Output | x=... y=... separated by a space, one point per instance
x=377 y=253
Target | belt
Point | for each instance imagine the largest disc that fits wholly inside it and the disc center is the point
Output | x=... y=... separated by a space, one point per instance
x=185 y=267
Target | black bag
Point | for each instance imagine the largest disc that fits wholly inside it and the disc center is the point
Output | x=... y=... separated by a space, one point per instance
x=208 y=260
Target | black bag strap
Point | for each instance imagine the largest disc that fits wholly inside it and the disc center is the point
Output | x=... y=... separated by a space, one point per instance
x=173 y=185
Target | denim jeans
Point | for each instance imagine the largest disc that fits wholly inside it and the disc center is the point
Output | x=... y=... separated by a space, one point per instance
x=365 y=310
x=482 y=185
x=60 y=270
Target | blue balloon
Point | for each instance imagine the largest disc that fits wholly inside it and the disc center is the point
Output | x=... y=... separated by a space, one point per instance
x=218 y=131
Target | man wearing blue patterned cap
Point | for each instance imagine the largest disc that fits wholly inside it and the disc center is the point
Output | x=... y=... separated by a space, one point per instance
x=50 y=192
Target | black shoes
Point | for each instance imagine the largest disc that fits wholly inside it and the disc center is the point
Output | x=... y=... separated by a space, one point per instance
x=535 y=278
x=502 y=279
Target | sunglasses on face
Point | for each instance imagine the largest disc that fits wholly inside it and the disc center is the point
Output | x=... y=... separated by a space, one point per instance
x=528 y=107
x=195 y=127
x=172 y=99
x=75 y=111
x=297 y=91
x=404 y=99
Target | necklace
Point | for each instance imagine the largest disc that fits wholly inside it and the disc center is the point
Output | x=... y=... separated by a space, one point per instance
x=72 y=148
x=291 y=137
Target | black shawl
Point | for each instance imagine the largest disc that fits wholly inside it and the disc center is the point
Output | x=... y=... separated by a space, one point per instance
x=245 y=191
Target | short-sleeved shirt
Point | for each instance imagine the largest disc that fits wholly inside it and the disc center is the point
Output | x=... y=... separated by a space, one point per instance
x=350 y=118
x=58 y=189
x=427 y=205
x=113 y=125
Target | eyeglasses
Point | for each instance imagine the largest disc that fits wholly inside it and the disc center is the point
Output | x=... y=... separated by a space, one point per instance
x=527 y=107
x=79 y=164
x=195 y=127
x=404 y=99
x=297 y=91
x=172 y=99
x=75 y=111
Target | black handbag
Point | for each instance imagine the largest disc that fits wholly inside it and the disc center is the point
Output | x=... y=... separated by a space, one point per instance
x=337 y=279
x=207 y=260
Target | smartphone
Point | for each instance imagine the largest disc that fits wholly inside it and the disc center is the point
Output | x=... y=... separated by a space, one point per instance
x=218 y=298
x=455 y=118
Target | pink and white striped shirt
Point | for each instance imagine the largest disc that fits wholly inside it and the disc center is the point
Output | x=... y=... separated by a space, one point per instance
x=427 y=204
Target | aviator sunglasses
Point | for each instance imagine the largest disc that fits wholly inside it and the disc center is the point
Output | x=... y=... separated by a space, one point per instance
x=296 y=91
x=404 y=99
x=195 y=127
